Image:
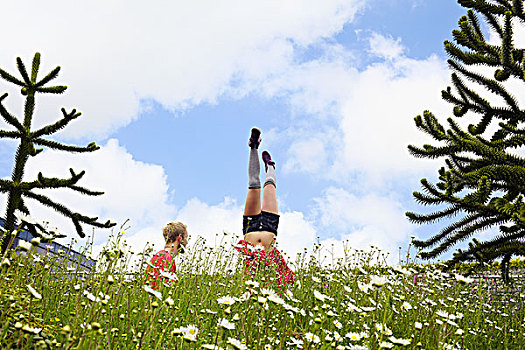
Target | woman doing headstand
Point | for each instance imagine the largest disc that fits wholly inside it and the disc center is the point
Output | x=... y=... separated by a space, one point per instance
x=260 y=222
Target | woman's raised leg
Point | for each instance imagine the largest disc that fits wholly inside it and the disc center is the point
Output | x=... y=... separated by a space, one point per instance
x=252 y=205
x=269 y=203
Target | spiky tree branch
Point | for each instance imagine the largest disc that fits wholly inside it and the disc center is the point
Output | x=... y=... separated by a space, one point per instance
x=16 y=188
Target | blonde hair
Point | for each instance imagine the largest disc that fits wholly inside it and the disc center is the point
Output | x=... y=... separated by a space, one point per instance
x=172 y=230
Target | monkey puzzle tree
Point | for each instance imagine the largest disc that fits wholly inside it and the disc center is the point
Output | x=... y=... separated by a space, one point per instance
x=18 y=190
x=483 y=182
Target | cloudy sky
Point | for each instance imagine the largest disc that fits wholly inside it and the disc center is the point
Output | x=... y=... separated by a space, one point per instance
x=170 y=90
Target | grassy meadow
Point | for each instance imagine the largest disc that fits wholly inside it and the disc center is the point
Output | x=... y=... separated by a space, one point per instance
x=357 y=302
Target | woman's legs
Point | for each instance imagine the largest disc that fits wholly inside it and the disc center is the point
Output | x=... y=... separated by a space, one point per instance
x=252 y=205
x=269 y=203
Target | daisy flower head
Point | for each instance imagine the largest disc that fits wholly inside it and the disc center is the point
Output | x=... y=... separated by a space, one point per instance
x=251 y=283
x=153 y=292
x=312 y=338
x=295 y=342
x=385 y=345
x=399 y=341
x=24 y=245
x=267 y=291
x=406 y=306
x=237 y=344
x=320 y=296
x=276 y=299
x=224 y=323
x=33 y=292
x=190 y=332
x=353 y=336
x=211 y=347
x=463 y=279
x=378 y=281
x=363 y=287
x=226 y=300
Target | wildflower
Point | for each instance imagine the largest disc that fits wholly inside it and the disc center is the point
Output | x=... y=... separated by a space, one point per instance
x=338 y=324
x=406 y=306
x=385 y=345
x=24 y=245
x=6 y=262
x=224 y=323
x=267 y=291
x=418 y=325
x=251 y=283
x=463 y=279
x=347 y=289
x=236 y=344
x=320 y=296
x=28 y=329
x=91 y=297
x=168 y=275
x=352 y=307
x=312 y=338
x=399 y=341
x=338 y=337
x=363 y=287
x=353 y=336
x=190 y=332
x=295 y=342
x=33 y=292
x=378 y=281
x=401 y=270
x=169 y=301
x=177 y=331
x=153 y=292
x=315 y=279
x=226 y=300
x=276 y=299
x=111 y=280
x=459 y=331
x=211 y=347
x=261 y=300
x=383 y=328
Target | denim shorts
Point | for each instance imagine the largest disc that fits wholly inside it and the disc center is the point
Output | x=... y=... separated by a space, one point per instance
x=264 y=221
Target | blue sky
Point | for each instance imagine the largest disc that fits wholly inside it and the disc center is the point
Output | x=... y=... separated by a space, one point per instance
x=170 y=92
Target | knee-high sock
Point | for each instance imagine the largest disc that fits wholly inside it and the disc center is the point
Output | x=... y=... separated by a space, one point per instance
x=254 y=169
x=270 y=176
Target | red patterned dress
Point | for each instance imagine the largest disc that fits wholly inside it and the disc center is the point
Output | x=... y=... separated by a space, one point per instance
x=258 y=259
x=162 y=260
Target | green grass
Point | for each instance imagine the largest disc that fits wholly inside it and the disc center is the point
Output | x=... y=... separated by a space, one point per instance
x=329 y=307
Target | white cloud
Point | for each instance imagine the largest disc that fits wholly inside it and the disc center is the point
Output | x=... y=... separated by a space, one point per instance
x=362 y=221
x=210 y=221
x=177 y=53
x=360 y=121
x=385 y=46
x=133 y=190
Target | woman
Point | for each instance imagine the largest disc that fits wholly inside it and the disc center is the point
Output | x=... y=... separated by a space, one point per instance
x=176 y=238
x=260 y=222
